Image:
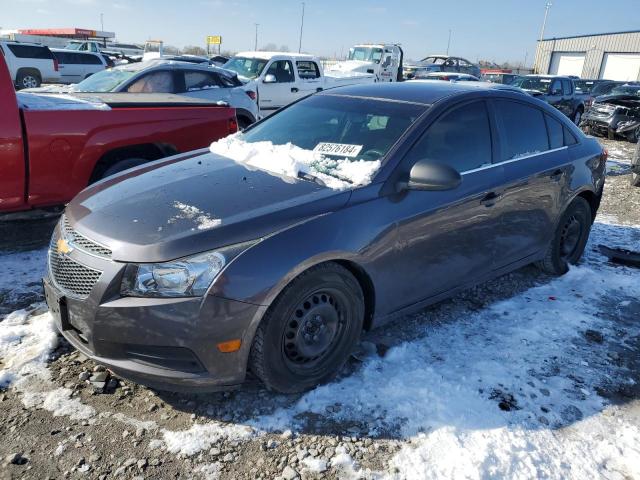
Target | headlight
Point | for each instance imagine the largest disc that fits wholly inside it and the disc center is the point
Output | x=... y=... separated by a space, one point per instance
x=186 y=277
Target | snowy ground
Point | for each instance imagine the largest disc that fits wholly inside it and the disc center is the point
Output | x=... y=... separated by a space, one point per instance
x=526 y=376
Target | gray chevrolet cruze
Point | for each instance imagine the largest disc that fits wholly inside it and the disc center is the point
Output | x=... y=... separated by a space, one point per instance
x=184 y=273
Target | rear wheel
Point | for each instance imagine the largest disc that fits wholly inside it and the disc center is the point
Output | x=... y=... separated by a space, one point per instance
x=570 y=238
x=635 y=164
x=309 y=331
x=28 y=79
x=123 y=165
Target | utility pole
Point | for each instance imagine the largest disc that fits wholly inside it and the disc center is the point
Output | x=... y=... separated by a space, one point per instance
x=449 y=42
x=256 y=44
x=544 y=22
x=301 y=25
x=102 y=22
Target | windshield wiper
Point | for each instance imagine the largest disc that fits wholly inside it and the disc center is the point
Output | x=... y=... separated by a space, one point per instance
x=311 y=178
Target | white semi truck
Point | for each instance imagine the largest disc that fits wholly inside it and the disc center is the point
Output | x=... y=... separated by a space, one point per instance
x=384 y=60
x=282 y=78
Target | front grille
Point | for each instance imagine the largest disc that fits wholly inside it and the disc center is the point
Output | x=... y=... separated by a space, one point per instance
x=83 y=243
x=71 y=277
x=602 y=109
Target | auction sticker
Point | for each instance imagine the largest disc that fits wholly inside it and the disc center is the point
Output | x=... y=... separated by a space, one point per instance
x=340 y=149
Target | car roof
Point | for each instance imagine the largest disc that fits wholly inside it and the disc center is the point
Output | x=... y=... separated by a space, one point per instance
x=67 y=50
x=174 y=64
x=425 y=92
x=269 y=55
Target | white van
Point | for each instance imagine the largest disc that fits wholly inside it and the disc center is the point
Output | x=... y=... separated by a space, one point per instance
x=75 y=66
x=30 y=64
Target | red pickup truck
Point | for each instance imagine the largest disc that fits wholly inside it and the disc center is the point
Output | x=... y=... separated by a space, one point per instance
x=53 y=146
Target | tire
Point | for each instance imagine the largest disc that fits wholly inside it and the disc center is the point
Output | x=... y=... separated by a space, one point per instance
x=28 y=79
x=635 y=162
x=309 y=331
x=243 y=122
x=577 y=116
x=122 y=165
x=569 y=239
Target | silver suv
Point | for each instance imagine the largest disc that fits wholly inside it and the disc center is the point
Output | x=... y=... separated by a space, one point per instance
x=30 y=64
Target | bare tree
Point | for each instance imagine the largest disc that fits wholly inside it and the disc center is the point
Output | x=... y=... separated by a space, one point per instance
x=194 y=50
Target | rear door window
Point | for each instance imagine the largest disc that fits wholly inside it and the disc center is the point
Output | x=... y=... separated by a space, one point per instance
x=566 y=87
x=460 y=138
x=90 y=59
x=556 y=135
x=523 y=129
x=197 y=80
x=308 y=70
x=154 y=82
x=31 y=51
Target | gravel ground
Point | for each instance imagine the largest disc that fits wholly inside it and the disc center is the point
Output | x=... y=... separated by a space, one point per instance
x=111 y=428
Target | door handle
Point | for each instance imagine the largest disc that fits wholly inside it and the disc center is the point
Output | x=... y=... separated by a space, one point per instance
x=294 y=90
x=490 y=199
x=556 y=176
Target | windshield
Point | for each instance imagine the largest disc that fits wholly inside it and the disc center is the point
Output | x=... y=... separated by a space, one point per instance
x=584 y=86
x=627 y=90
x=73 y=46
x=436 y=60
x=246 y=67
x=539 y=84
x=104 y=81
x=365 y=54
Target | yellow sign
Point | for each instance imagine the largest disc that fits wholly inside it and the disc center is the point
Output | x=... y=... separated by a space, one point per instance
x=214 y=40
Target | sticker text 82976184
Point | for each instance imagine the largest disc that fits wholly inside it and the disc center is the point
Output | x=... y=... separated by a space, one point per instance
x=339 y=149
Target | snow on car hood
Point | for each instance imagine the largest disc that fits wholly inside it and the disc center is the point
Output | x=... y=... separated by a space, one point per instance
x=40 y=101
x=290 y=161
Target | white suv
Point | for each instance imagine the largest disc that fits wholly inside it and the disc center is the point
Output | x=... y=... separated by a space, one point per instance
x=76 y=66
x=30 y=64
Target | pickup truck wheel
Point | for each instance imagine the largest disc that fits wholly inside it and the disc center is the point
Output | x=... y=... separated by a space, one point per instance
x=577 y=117
x=309 y=330
x=123 y=165
x=570 y=238
x=28 y=79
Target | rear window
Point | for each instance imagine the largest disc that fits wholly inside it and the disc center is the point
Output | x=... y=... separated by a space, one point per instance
x=30 y=51
x=308 y=70
x=523 y=127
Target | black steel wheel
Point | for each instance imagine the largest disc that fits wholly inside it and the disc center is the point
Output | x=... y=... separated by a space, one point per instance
x=570 y=238
x=309 y=331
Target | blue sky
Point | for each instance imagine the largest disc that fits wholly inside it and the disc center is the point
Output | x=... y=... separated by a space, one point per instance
x=497 y=30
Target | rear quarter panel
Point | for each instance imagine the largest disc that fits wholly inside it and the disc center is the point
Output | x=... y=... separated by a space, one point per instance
x=64 y=146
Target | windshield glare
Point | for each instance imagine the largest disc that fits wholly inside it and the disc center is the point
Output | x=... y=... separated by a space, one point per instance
x=246 y=67
x=104 y=81
x=434 y=60
x=365 y=54
x=374 y=125
x=627 y=90
x=539 y=84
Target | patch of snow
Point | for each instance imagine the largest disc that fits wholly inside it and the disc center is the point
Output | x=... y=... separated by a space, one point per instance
x=210 y=471
x=43 y=101
x=289 y=160
x=25 y=345
x=443 y=390
x=22 y=272
x=189 y=212
x=201 y=436
x=315 y=465
x=59 y=402
x=345 y=465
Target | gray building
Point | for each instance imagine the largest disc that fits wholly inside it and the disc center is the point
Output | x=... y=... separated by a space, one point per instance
x=612 y=56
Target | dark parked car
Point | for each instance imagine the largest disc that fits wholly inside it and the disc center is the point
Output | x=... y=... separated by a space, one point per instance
x=183 y=273
x=559 y=92
x=441 y=63
x=594 y=88
x=616 y=114
x=499 y=77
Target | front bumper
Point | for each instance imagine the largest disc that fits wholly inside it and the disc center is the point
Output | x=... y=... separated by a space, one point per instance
x=165 y=343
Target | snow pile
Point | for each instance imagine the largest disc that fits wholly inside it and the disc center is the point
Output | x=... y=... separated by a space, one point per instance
x=22 y=274
x=188 y=212
x=314 y=464
x=210 y=471
x=507 y=391
x=289 y=160
x=202 y=436
x=59 y=402
x=25 y=345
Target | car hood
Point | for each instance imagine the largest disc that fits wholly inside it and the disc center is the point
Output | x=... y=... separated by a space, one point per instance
x=631 y=101
x=192 y=203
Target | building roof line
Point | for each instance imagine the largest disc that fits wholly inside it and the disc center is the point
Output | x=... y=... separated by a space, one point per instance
x=589 y=35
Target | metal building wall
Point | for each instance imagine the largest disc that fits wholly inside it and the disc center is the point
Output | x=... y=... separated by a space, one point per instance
x=594 y=46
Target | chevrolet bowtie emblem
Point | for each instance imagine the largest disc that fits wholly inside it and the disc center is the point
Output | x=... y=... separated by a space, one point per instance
x=63 y=246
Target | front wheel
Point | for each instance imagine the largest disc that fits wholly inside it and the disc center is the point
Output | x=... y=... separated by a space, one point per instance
x=570 y=238
x=309 y=331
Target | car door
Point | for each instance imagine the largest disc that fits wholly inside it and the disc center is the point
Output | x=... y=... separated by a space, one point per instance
x=278 y=86
x=465 y=67
x=567 y=97
x=446 y=238
x=535 y=173
x=450 y=65
x=310 y=80
x=554 y=95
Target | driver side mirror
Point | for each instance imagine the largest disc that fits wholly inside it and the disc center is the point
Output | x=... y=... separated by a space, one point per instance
x=426 y=175
x=270 y=78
